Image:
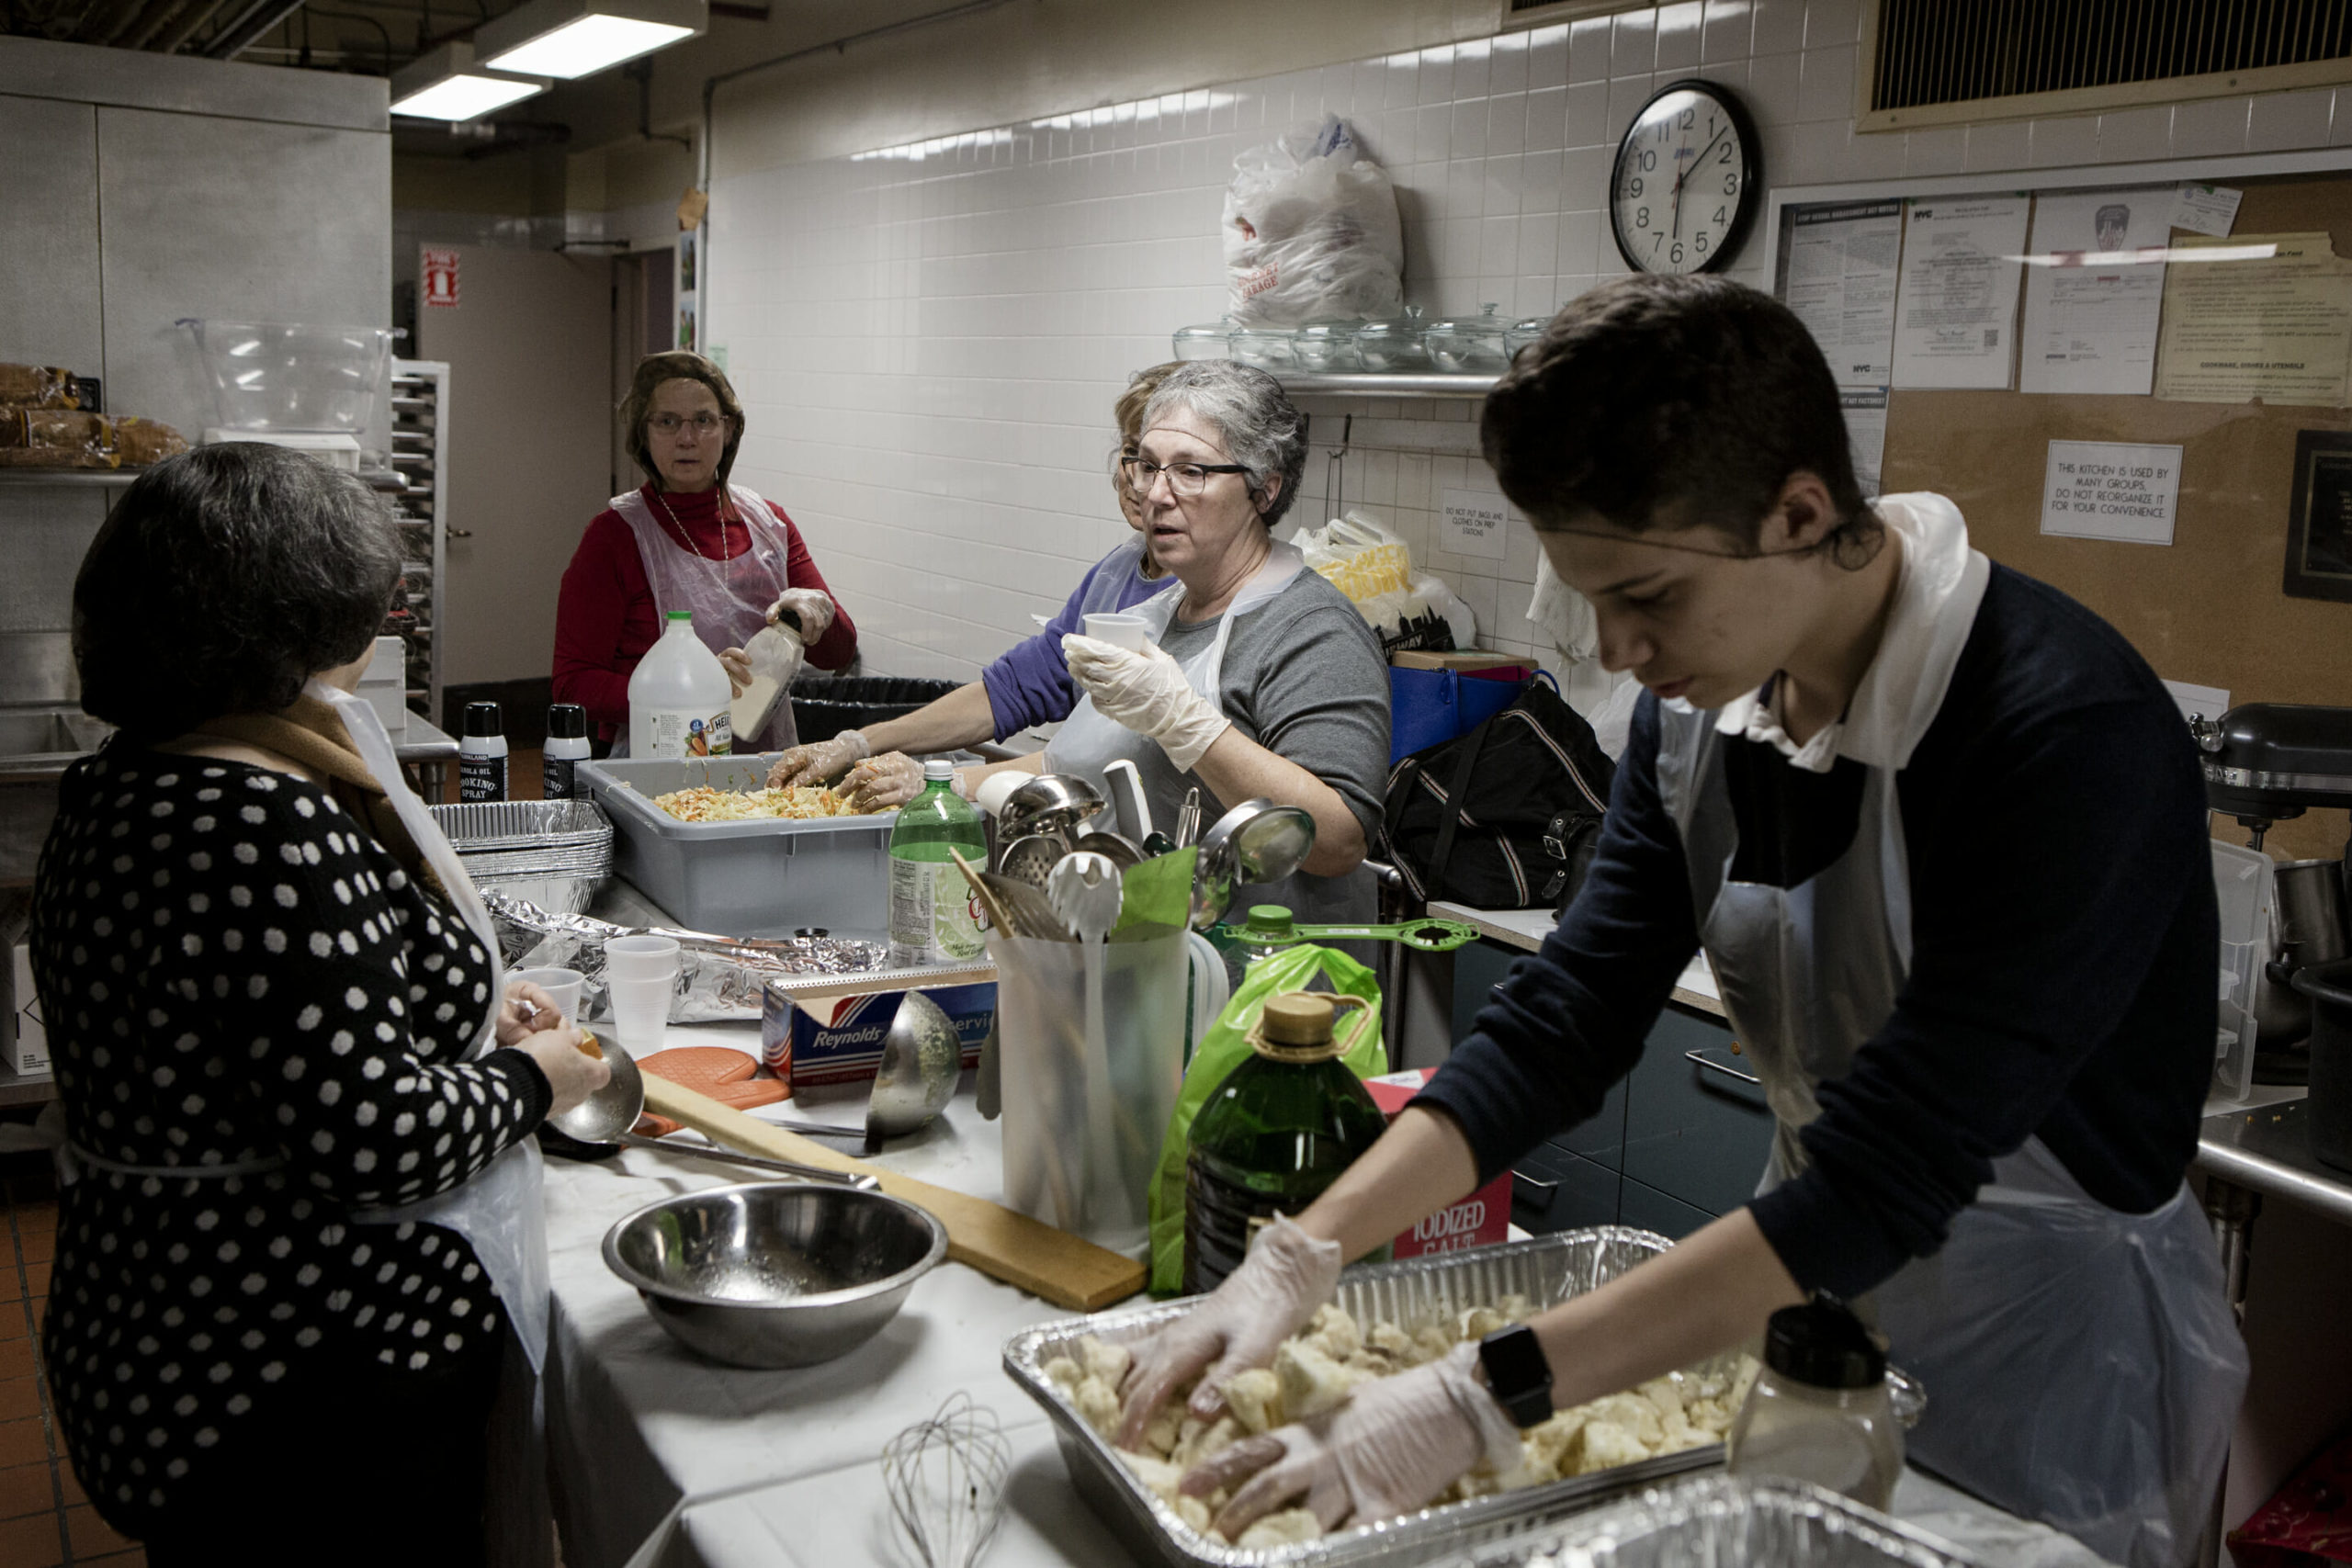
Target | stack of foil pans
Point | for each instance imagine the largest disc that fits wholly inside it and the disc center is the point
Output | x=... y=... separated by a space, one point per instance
x=553 y=854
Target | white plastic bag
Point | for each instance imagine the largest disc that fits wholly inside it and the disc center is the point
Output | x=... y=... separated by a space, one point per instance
x=1311 y=230
x=1365 y=561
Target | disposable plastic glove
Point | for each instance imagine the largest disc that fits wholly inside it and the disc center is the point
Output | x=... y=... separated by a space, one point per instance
x=1148 y=692
x=814 y=606
x=1396 y=1443
x=820 y=762
x=880 y=784
x=1287 y=1275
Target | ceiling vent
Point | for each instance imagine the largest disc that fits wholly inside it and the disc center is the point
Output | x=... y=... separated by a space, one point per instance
x=1935 y=61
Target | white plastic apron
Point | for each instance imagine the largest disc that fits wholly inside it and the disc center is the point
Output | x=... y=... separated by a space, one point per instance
x=730 y=598
x=1088 y=741
x=2081 y=1364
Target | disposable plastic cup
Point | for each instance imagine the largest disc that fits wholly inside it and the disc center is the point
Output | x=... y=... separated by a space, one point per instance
x=563 y=984
x=1130 y=632
x=641 y=958
x=640 y=1012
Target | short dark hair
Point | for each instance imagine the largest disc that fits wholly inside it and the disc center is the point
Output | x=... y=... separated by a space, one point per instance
x=1669 y=402
x=678 y=365
x=223 y=581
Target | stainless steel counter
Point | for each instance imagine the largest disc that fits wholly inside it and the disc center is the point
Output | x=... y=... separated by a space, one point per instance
x=2268 y=1150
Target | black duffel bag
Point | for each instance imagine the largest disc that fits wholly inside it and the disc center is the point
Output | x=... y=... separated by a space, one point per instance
x=1505 y=817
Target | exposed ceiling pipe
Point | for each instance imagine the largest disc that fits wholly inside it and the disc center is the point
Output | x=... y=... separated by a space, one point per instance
x=248 y=28
x=104 y=22
x=179 y=32
x=151 y=20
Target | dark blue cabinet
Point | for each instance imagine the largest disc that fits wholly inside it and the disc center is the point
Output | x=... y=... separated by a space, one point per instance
x=1682 y=1139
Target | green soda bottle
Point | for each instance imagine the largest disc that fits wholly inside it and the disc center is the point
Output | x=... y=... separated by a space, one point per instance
x=932 y=917
x=1277 y=1131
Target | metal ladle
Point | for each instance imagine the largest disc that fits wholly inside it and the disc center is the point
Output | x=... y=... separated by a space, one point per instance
x=922 y=1059
x=606 y=1116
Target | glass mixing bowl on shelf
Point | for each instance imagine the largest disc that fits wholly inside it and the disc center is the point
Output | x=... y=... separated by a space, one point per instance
x=1467 y=345
x=1329 y=345
x=1520 y=333
x=1392 y=345
x=1210 y=340
x=1268 y=348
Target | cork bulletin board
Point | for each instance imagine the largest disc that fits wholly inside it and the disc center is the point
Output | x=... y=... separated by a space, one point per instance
x=2208 y=608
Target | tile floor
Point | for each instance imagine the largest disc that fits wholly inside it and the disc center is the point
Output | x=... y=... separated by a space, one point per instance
x=45 y=1519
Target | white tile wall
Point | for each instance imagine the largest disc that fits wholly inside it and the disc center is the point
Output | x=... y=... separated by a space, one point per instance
x=928 y=339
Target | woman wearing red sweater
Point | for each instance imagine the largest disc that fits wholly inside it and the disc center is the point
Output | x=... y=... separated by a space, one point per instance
x=688 y=540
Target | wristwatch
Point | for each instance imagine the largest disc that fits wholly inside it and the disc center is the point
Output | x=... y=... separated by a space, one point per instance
x=1518 y=1375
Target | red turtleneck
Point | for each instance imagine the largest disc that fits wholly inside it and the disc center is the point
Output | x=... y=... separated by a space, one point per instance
x=605 y=619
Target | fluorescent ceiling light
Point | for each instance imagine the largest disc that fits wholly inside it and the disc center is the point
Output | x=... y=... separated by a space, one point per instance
x=579 y=37
x=446 y=84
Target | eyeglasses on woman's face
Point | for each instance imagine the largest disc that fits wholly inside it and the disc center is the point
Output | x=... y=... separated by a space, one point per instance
x=668 y=425
x=1185 y=481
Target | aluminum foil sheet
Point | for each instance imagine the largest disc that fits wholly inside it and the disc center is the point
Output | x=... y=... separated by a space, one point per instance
x=1726 y=1522
x=718 y=980
x=1435 y=1288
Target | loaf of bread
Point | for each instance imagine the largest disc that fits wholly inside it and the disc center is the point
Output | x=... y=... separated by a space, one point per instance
x=65 y=438
x=37 y=387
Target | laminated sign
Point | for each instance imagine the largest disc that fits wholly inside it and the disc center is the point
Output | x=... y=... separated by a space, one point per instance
x=441 y=278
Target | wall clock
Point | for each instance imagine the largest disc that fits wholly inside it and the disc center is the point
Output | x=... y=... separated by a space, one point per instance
x=1689 y=177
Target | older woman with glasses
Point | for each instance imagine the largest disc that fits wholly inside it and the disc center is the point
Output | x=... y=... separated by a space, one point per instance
x=689 y=539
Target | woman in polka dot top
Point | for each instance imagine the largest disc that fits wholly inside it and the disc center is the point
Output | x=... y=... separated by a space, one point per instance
x=245 y=976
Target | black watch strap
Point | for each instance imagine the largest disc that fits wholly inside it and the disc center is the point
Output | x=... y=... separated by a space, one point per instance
x=1518 y=1374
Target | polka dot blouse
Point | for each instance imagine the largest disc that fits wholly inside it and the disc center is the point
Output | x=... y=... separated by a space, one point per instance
x=233 y=971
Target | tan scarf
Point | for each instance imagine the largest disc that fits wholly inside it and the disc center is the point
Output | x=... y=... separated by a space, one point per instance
x=311 y=732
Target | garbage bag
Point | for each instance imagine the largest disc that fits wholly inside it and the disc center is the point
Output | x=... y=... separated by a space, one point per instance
x=1311 y=230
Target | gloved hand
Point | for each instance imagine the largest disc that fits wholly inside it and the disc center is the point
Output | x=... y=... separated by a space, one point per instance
x=1397 y=1443
x=814 y=606
x=1148 y=692
x=878 y=784
x=738 y=665
x=1285 y=1277
x=820 y=762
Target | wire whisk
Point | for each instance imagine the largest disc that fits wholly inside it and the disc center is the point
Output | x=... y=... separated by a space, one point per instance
x=945 y=1477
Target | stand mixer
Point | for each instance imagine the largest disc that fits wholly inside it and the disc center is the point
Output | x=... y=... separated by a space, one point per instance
x=2268 y=763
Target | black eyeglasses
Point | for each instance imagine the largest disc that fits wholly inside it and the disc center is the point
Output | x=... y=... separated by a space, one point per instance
x=1185 y=481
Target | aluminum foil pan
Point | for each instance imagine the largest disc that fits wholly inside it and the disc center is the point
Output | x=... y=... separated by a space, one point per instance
x=1726 y=1522
x=720 y=979
x=552 y=854
x=1439 y=1287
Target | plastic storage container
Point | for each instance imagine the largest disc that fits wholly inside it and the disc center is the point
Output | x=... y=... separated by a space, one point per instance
x=824 y=705
x=1392 y=345
x=2242 y=881
x=769 y=877
x=275 y=376
x=1268 y=348
x=1327 y=345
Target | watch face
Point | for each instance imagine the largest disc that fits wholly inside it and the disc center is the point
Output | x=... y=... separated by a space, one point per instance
x=1687 y=172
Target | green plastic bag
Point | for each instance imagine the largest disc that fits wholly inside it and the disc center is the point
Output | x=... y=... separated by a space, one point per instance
x=1223 y=1049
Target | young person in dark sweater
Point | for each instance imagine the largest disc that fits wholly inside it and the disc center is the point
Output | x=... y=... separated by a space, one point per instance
x=1942 y=835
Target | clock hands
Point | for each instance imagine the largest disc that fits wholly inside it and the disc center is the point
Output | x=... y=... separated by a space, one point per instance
x=1686 y=174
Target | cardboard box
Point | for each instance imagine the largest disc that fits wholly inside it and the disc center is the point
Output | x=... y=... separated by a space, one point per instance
x=26 y=1039
x=841 y=1040
x=1472 y=659
x=1480 y=1220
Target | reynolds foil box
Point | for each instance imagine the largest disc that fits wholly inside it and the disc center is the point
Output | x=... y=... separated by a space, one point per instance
x=1480 y=1220
x=841 y=1040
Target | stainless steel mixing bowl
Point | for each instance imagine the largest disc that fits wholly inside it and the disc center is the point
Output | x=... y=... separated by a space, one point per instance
x=775 y=1274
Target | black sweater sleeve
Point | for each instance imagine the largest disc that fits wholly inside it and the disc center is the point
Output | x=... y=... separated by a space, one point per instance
x=1570 y=1020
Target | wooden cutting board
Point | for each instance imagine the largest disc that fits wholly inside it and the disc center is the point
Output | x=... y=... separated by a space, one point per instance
x=1066 y=1269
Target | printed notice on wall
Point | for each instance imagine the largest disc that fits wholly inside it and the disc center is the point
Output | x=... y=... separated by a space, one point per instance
x=1840 y=283
x=2111 y=490
x=441 y=278
x=1865 y=408
x=2206 y=209
x=1475 y=524
x=1956 y=309
x=2094 y=290
x=2265 y=316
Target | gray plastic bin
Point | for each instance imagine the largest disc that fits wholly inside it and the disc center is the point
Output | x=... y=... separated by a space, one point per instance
x=761 y=878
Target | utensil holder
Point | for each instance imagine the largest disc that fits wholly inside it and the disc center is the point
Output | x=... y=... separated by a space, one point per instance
x=1060 y=1167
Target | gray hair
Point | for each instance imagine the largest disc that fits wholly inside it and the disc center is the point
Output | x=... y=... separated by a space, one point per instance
x=223 y=581
x=1261 y=429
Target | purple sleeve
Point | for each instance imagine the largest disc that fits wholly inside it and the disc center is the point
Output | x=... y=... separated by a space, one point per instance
x=1030 y=683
